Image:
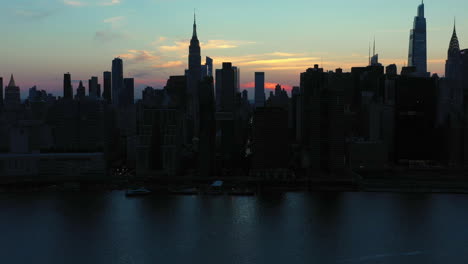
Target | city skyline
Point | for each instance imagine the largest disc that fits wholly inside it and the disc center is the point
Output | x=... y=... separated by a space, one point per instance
x=166 y=54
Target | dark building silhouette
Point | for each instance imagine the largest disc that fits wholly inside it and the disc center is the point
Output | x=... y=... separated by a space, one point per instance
x=117 y=81
x=269 y=140
x=453 y=63
x=207 y=69
x=93 y=87
x=176 y=88
x=78 y=126
x=207 y=138
x=417 y=55
x=128 y=95
x=107 y=91
x=321 y=124
x=416 y=138
x=391 y=70
x=279 y=98
x=194 y=74
x=80 y=91
x=1 y=93
x=12 y=95
x=67 y=87
x=260 y=89
x=226 y=88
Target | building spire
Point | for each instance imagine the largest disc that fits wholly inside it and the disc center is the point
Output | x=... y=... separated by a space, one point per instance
x=194 y=24
x=374 y=47
x=454 y=46
x=369 y=55
x=12 y=82
x=455 y=25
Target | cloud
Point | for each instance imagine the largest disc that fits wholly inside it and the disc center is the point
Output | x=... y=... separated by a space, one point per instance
x=159 y=40
x=280 y=61
x=110 y=3
x=74 y=3
x=178 y=46
x=224 y=44
x=284 y=54
x=77 y=3
x=169 y=64
x=114 y=19
x=183 y=45
x=108 y=35
x=139 y=56
x=33 y=15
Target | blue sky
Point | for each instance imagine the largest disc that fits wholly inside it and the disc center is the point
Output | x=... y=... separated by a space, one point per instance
x=42 y=39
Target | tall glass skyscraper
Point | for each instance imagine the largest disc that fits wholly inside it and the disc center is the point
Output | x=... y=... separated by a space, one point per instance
x=117 y=80
x=259 y=89
x=417 y=56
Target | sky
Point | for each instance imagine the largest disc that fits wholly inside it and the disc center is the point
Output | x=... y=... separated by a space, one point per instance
x=43 y=39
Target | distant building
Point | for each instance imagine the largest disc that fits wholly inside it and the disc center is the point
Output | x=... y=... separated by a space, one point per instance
x=107 y=92
x=322 y=120
x=117 y=81
x=207 y=137
x=128 y=96
x=93 y=87
x=80 y=91
x=226 y=88
x=270 y=140
x=417 y=56
x=207 y=69
x=193 y=79
x=236 y=78
x=453 y=63
x=12 y=94
x=67 y=87
x=259 y=89
x=416 y=137
x=1 y=93
x=391 y=70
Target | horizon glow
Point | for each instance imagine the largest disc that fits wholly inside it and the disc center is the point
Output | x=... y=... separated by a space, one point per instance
x=44 y=39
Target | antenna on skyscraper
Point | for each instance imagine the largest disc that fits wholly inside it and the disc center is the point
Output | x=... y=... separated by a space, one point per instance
x=369 y=54
x=374 y=47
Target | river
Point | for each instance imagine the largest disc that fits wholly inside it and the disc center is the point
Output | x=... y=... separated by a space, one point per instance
x=289 y=228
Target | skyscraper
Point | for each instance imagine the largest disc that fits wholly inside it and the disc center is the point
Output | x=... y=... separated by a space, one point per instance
x=209 y=66
x=67 y=87
x=1 y=92
x=117 y=80
x=228 y=87
x=107 y=94
x=259 y=89
x=207 y=69
x=128 y=97
x=453 y=63
x=80 y=91
x=193 y=79
x=417 y=56
x=93 y=87
x=236 y=78
x=12 y=94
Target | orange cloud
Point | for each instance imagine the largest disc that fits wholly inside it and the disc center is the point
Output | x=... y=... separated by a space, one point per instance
x=139 y=55
x=169 y=64
x=210 y=45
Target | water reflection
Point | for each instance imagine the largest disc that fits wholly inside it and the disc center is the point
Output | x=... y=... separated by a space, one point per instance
x=286 y=228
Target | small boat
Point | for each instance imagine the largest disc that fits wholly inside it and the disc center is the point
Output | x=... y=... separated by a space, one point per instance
x=137 y=192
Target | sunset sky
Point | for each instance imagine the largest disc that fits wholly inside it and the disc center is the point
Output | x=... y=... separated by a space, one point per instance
x=42 y=39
